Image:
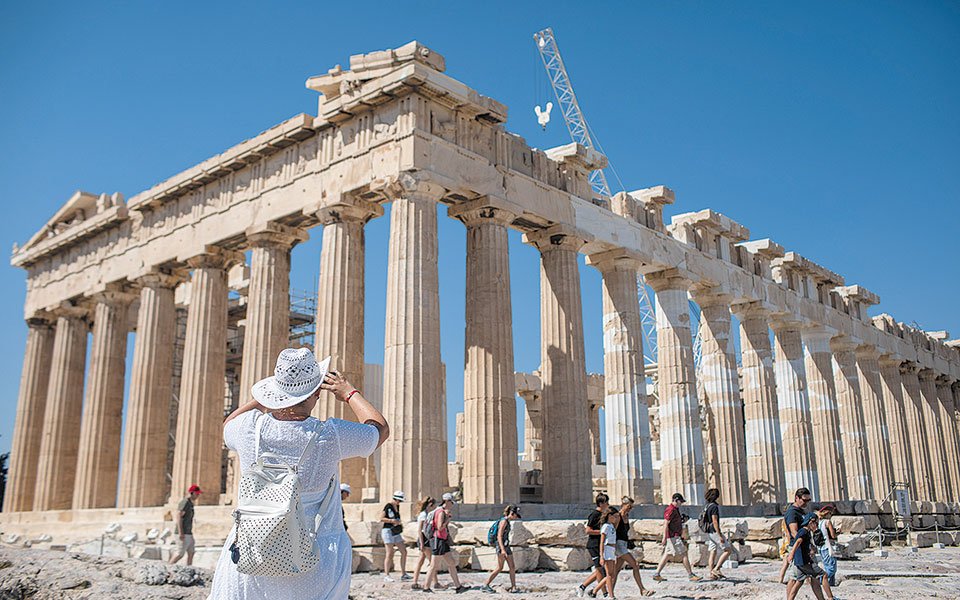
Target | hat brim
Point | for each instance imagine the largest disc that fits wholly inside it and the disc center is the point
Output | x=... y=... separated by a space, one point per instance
x=268 y=395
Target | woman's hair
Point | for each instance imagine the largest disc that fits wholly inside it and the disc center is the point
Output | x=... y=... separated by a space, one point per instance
x=712 y=495
x=627 y=500
x=605 y=518
x=510 y=509
x=826 y=512
x=426 y=502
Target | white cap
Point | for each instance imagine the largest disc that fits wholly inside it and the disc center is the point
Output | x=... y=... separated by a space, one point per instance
x=345 y=487
x=399 y=495
x=448 y=496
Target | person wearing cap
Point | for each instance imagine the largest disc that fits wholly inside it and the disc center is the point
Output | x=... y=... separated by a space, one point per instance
x=504 y=551
x=673 y=538
x=392 y=534
x=440 y=546
x=800 y=559
x=281 y=411
x=593 y=542
x=826 y=548
x=186 y=545
x=344 y=494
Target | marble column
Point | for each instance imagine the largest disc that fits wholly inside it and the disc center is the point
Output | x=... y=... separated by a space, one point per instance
x=793 y=406
x=144 y=461
x=567 y=469
x=821 y=390
x=935 y=436
x=891 y=388
x=951 y=440
x=875 y=421
x=593 y=415
x=914 y=410
x=725 y=444
x=852 y=428
x=198 y=453
x=28 y=427
x=57 y=464
x=98 y=460
x=681 y=436
x=532 y=428
x=490 y=471
x=765 y=467
x=414 y=458
x=627 y=415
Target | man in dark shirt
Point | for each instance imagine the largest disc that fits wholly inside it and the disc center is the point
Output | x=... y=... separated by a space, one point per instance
x=796 y=511
x=593 y=542
x=186 y=545
x=716 y=542
x=800 y=559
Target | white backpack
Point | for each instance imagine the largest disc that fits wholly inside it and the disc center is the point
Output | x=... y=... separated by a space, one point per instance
x=274 y=537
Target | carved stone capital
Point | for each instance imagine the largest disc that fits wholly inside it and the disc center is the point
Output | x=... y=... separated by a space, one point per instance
x=347 y=208
x=708 y=297
x=785 y=322
x=116 y=294
x=889 y=360
x=163 y=278
x=557 y=237
x=669 y=279
x=275 y=234
x=945 y=381
x=843 y=343
x=867 y=352
x=482 y=211
x=748 y=310
x=40 y=319
x=215 y=257
x=79 y=309
x=613 y=260
x=907 y=367
x=927 y=374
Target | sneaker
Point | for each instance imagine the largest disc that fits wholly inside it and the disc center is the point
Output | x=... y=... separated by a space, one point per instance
x=592 y=593
x=658 y=577
x=388 y=579
x=415 y=586
x=695 y=578
x=405 y=577
x=488 y=589
x=580 y=591
x=462 y=589
x=427 y=591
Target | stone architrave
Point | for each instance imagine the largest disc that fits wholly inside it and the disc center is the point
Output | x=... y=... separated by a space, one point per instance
x=414 y=457
x=144 y=460
x=725 y=445
x=567 y=471
x=490 y=470
x=627 y=414
x=198 y=453
x=875 y=421
x=28 y=427
x=57 y=464
x=914 y=410
x=765 y=467
x=852 y=427
x=681 y=436
x=951 y=440
x=796 y=428
x=891 y=387
x=98 y=459
x=935 y=436
x=821 y=390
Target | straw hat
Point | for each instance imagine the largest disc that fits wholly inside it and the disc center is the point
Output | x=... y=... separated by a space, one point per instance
x=296 y=377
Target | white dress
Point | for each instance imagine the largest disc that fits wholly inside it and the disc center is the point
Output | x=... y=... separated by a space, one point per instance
x=336 y=440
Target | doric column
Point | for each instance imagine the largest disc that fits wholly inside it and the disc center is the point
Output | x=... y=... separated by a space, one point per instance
x=852 y=429
x=762 y=418
x=57 y=465
x=627 y=415
x=144 y=461
x=414 y=458
x=919 y=436
x=793 y=406
x=681 y=436
x=935 y=435
x=951 y=440
x=532 y=427
x=567 y=470
x=98 y=460
x=725 y=445
x=875 y=421
x=822 y=393
x=198 y=453
x=28 y=428
x=490 y=471
x=891 y=388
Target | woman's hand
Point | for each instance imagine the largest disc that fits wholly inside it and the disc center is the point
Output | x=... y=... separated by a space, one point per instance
x=337 y=384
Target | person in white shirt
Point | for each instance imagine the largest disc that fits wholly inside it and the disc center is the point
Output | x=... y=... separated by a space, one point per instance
x=608 y=552
x=427 y=505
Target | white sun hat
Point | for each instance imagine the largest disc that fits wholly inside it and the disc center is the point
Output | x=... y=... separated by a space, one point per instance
x=295 y=378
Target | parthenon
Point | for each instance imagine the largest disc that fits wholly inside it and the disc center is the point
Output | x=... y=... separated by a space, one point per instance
x=821 y=395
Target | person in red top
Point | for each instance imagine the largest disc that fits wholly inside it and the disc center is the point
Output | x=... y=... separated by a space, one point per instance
x=673 y=538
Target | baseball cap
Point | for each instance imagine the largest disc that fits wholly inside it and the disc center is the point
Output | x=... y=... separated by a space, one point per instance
x=807 y=518
x=448 y=496
x=514 y=509
x=399 y=495
x=345 y=487
x=678 y=497
x=195 y=489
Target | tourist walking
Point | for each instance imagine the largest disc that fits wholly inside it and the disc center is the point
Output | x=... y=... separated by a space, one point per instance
x=344 y=494
x=593 y=541
x=392 y=534
x=800 y=558
x=673 y=544
x=278 y=421
x=427 y=505
x=625 y=545
x=791 y=524
x=826 y=548
x=608 y=553
x=716 y=542
x=504 y=551
x=186 y=545
x=440 y=546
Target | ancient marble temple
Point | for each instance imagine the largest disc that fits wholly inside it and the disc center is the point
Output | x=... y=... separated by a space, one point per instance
x=821 y=395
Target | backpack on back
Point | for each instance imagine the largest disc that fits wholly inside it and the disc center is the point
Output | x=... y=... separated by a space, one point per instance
x=493 y=532
x=430 y=525
x=273 y=535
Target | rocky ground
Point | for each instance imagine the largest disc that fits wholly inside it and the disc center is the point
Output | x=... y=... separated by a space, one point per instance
x=43 y=574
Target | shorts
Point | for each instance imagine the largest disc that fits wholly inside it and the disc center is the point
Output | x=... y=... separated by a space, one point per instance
x=714 y=543
x=595 y=559
x=808 y=571
x=391 y=538
x=186 y=545
x=829 y=563
x=439 y=547
x=422 y=544
x=610 y=552
x=507 y=550
x=675 y=547
x=622 y=548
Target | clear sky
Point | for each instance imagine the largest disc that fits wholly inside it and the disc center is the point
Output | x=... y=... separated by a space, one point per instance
x=830 y=127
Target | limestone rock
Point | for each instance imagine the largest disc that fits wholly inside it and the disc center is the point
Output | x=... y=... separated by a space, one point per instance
x=742 y=552
x=564 y=559
x=557 y=533
x=764 y=548
x=367 y=533
x=852 y=525
x=763 y=528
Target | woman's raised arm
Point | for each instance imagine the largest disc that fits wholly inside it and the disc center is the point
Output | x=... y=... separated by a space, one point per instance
x=364 y=411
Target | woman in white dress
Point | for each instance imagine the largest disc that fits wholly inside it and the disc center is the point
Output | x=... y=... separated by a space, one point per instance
x=288 y=398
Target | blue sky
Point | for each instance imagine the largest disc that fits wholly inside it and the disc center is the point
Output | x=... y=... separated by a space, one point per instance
x=830 y=127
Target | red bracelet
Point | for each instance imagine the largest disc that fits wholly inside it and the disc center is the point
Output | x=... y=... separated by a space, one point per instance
x=350 y=395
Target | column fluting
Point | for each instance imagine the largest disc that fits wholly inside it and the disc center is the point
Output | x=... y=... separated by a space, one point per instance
x=875 y=421
x=914 y=410
x=852 y=428
x=822 y=393
x=951 y=441
x=935 y=435
x=891 y=387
